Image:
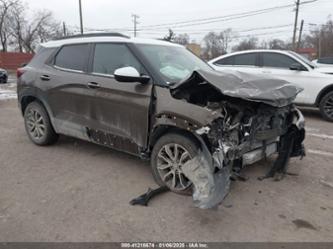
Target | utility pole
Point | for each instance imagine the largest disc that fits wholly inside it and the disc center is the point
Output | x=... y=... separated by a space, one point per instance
x=81 y=22
x=64 y=28
x=295 y=24
x=319 y=43
x=135 y=22
x=300 y=35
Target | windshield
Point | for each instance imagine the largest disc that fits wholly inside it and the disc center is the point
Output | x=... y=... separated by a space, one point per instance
x=172 y=62
x=305 y=60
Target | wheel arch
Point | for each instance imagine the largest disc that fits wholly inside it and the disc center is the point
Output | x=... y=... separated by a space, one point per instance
x=322 y=93
x=162 y=129
x=29 y=97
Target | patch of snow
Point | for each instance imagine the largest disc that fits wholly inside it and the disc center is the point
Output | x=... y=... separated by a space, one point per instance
x=7 y=94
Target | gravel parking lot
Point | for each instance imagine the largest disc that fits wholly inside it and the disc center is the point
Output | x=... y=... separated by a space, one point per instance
x=77 y=191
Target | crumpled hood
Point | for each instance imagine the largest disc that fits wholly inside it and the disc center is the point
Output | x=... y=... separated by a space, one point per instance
x=269 y=90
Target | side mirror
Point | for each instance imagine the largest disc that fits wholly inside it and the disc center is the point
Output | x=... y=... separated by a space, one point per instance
x=130 y=74
x=297 y=67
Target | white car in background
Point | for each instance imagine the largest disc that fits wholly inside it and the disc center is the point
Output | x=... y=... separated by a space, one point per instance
x=289 y=66
x=325 y=64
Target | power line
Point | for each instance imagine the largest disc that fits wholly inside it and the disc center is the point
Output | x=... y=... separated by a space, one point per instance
x=218 y=18
x=241 y=36
x=195 y=22
x=235 y=31
x=212 y=29
x=202 y=21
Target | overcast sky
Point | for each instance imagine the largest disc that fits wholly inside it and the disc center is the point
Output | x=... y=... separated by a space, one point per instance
x=112 y=14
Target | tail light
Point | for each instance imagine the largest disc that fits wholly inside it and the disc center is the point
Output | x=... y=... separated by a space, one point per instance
x=19 y=72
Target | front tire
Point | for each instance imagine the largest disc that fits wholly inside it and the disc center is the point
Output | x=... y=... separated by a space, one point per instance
x=326 y=107
x=38 y=125
x=169 y=154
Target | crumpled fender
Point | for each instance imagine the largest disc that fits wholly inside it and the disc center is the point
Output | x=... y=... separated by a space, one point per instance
x=171 y=111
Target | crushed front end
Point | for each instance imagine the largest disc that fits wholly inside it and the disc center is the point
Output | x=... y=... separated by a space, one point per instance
x=246 y=134
x=256 y=119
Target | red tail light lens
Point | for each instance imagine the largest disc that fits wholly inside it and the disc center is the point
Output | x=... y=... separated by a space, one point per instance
x=19 y=72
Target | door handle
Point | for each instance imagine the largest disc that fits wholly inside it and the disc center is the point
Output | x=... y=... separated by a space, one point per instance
x=266 y=71
x=93 y=85
x=45 y=77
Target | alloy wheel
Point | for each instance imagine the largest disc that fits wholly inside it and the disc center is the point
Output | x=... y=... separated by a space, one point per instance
x=170 y=160
x=36 y=125
x=328 y=107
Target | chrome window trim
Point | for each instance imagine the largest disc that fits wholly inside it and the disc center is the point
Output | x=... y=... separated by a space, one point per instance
x=68 y=69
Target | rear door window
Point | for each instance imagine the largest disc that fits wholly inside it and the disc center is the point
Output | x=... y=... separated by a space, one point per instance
x=74 y=57
x=111 y=56
x=277 y=60
x=245 y=59
x=249 y=59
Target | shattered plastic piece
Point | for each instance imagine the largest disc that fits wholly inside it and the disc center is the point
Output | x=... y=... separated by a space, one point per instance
x=203 y=130
x=209 y=188
x=281 y=163
x=218 y=158
x=144 y=199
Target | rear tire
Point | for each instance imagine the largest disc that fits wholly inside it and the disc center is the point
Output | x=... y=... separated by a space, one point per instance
x=169 y=154
x=38 y=125
x=326 y=106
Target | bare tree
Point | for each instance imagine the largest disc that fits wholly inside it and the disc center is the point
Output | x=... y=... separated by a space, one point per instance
x=246 y=44
x=170 y=36
x=5 y=7
x=217 y=44
x=182 y=39
x=213 y=46
x=321 y=38
x=41 y=29
x=225 y=38
x=276 y=44
x=17 y=26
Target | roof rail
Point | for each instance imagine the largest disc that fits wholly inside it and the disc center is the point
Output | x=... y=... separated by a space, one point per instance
x=93 y=35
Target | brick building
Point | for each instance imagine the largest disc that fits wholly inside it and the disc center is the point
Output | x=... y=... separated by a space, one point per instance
x=13 y=60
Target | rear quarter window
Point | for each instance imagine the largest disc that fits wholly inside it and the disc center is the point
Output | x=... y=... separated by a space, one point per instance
x=41 y=56
x=229 y=61
x=74 y=57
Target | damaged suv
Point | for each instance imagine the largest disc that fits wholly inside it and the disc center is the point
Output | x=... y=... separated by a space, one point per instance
x=157 y=100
